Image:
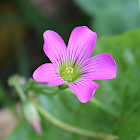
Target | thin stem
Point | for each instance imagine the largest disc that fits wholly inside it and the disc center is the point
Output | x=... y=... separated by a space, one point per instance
x=73 y=129
x=52 y=94
x=14 y=82
x=31 y=87
x=103 y=107
x=40 y=90
x=20 y=92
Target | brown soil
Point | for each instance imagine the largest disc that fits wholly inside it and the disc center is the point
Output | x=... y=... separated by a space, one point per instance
x=7 y=122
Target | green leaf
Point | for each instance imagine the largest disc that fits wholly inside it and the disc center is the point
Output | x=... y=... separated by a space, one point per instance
x=111 y=16
x=122 y=93
x=129 y=125
x=116 y=18
x=92 y=6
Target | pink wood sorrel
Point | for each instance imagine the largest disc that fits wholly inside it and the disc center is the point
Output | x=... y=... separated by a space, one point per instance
x=71 y=65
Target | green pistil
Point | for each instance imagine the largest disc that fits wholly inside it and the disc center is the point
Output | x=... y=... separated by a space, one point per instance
x=69 y=74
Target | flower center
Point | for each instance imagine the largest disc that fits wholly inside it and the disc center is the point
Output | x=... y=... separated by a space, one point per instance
x=69 y=74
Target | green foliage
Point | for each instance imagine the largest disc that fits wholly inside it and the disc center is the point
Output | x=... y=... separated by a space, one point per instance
x=5 y=100
x=111 y=16
x=128 y=126
x=122 y=93
x=35 y=19
x=4 y=96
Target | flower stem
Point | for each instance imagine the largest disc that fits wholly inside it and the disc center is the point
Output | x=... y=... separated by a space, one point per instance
x=106 y=108
x=14 y=82
x=71 y=128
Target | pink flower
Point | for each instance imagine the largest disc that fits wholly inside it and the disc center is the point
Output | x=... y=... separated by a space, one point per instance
x=72 y=66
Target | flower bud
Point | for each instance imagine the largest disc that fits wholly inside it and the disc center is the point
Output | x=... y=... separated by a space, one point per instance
x=31 y=115
x=62 y=87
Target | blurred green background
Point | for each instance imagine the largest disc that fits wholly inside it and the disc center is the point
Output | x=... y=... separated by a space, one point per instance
x=22 y=23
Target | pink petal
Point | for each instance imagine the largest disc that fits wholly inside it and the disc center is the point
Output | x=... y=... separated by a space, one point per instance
x=47 y=73
x=101 y=66
x=84 y=89
x=54 y=47
x=81 y=44
x=36 y=126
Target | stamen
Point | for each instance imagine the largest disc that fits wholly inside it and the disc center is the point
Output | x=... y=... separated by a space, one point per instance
x=68 y=71
x=68 y=74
